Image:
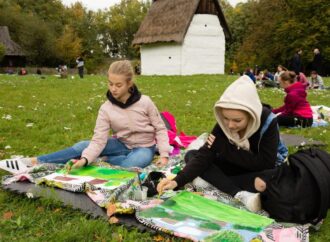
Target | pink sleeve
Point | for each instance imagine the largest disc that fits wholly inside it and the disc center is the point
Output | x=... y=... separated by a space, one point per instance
x=279 y=110
x=160 y=129
x=100 y=137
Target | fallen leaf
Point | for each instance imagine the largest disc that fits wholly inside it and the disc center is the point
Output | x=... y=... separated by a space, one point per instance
x=56 y=210
x=40 y=209
x=111 y=209
x=158 y=238
x=113 y=220
x=117 y=237
x=7 y=215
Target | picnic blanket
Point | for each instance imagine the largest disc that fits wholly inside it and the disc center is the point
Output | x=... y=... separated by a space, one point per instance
x=321 y=116
x=119 y=200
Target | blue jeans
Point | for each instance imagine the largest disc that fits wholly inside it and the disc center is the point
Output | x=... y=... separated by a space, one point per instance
x=117 y=154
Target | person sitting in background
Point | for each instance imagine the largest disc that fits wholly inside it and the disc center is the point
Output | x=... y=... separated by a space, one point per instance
x=280 y=70
x=316 y=81
x=250 y=74
x=268 y=79
x=22 y=72
x=296 y=110
x=303 y=79
x=64 y=71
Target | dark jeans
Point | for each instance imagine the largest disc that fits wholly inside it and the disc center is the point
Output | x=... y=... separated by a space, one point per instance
x=231 y=184
x=81 y=71
x=291 y=121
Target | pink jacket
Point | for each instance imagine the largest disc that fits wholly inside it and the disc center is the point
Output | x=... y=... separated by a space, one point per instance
x=295 y=102
x=138 y=125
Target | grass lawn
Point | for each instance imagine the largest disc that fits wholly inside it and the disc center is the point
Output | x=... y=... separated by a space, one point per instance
x=38 y=116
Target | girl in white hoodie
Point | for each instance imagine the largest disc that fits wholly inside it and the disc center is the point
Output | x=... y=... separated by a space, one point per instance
x=234 y=148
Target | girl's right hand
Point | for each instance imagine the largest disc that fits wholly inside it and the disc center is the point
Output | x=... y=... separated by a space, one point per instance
x=210 y=140
x=79 y=163
x=166 y=184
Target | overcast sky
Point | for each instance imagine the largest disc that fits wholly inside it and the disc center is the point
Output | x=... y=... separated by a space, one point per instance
x=101 y=4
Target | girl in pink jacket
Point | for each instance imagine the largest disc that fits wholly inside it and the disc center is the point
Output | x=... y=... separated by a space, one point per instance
x=135 y=123
x=296 y=110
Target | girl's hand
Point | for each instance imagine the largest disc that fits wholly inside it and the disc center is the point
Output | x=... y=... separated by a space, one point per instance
x=166 y=184
x=79 y=163
x=162 y=161
x=210 y=140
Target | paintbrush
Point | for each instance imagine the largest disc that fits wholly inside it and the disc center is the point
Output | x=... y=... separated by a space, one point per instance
x=68 y=166
x=161 y=192
x=139 y=179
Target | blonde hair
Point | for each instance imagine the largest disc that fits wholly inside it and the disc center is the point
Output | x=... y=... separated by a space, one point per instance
x=124 y=68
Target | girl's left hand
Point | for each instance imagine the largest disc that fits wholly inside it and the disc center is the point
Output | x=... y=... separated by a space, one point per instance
x=162 y=161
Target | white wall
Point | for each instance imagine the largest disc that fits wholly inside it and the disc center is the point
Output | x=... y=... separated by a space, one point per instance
x=161 y=59
x=203 y=50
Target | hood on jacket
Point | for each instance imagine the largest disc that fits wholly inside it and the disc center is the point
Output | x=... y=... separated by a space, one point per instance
x=241 y=94
x=135 y=96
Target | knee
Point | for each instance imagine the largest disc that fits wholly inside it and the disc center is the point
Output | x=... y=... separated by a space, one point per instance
x=189 y=155
x=80 y=146
x=259 y=184
x=143 y=158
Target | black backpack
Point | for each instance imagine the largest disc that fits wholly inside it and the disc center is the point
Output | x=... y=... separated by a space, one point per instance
x=299 y=191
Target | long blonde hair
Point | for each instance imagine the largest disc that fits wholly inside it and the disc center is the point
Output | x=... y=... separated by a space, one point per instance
x=122 y=67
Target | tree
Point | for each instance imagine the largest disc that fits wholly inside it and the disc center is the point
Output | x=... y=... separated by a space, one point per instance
x=68 y=46
x=2 y=51
x=118 y=26
x=267 y=32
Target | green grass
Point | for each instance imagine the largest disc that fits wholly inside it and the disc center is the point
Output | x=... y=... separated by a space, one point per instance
x=64 y=111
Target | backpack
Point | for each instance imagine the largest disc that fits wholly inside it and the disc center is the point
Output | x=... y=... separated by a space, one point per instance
x=282 y=150
x=180 y=140
x=299 y=192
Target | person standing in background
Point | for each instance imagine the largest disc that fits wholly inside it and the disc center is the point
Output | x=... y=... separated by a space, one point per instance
x=317 y=62
x=80 y=65
x=296 y=62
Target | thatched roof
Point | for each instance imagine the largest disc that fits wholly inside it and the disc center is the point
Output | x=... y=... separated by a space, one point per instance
x=169 y=20
x=12 y=49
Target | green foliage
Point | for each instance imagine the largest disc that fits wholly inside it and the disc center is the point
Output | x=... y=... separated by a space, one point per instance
x=2 y=51
x=52 y=34
x=267 y=32
x=119 y=24
x=68 y=46
x=33 y=34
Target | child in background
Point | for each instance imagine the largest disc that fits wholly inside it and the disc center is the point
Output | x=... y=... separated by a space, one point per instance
x=296 y=110
x=280 y=70
x=316 y=81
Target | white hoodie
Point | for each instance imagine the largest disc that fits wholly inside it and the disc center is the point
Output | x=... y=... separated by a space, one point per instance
x=241 y=94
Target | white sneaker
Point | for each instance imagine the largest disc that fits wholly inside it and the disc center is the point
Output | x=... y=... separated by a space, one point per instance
x=16 y=165
x=251 y=200
x=200 y=183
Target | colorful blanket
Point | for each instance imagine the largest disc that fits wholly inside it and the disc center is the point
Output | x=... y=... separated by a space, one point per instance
x=118 y=194
x=321 y=116
x=194 y=217
x=102 y=178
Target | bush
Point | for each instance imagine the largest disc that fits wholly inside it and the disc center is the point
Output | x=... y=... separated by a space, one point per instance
x=2 y=51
